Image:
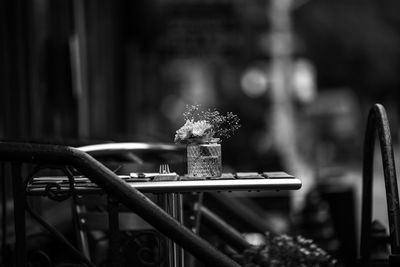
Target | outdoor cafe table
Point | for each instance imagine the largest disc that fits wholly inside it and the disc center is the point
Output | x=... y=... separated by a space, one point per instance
x=259 y=182
x=171 y=191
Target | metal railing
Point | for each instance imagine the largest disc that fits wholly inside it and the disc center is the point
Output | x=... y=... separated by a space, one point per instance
x=378 y=122
x=19 y=153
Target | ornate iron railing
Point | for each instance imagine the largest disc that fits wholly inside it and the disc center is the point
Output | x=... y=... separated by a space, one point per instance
x=61 y=156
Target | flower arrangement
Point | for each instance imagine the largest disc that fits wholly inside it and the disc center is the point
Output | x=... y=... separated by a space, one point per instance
x=202 y=126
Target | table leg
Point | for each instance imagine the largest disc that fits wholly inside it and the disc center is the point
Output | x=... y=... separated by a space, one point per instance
x=172 y=203
x=163 y=201
x=179 y=207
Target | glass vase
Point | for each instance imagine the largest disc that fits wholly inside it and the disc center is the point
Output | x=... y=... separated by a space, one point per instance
x=204 y=160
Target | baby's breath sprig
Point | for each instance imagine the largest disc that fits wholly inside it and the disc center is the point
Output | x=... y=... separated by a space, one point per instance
x=227 y=125
x=192 y=113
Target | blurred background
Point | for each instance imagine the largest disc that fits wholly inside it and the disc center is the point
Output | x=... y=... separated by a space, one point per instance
x=300 y=74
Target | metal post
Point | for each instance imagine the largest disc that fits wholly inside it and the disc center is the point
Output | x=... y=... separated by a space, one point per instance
x=3 y=212
x=172 y=203
x=170 y=209
x=82 y=238
x=19 y=215
x=181 y=252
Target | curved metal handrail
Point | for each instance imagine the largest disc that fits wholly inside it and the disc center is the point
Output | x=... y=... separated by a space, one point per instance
x=130 y=149
x=129 y=146
x=377 y=121
x=112 y=185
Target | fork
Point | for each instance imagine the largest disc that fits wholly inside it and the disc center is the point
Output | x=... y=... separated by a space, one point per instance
x=164 y=169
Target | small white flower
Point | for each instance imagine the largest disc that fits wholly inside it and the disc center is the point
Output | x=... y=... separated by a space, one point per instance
x=201 y=128
x=184 y=132
x=192 y=129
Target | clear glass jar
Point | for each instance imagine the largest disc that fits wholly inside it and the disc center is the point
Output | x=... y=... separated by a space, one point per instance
x=204 y=159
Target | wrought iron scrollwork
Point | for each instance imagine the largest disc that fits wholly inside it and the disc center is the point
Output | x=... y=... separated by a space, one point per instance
x=19 y=153
x=60 y=237
x=53 y=190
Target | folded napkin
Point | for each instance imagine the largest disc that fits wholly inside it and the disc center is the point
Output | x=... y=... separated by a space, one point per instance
x=154 y=176
x=143 y=174
x=248 y=175
x=166 y=177
x=277 y=175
